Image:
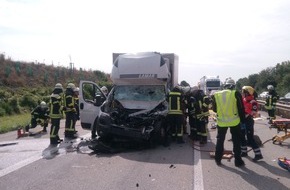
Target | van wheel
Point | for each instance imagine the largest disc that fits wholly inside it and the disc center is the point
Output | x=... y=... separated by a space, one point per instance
x=156 y=136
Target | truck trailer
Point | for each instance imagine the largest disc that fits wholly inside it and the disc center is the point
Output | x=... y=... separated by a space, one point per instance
x=136 y=107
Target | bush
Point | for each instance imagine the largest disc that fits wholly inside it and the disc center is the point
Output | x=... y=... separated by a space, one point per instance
x=28 y=101
x=6 y=107
x=2 y=112
x=13 y=103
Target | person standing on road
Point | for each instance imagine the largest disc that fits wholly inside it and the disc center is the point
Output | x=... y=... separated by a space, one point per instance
x=202 y=114
x=70 y=111
x=247 y=128
x=56 y=102
x=271 y=100
x=76 y=91
x=228 y=106
x=175 y=114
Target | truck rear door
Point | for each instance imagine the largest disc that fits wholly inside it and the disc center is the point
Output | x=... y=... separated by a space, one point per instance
x=89 y=110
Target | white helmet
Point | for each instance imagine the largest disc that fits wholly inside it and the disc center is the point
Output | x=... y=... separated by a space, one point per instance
x=104 y=90
x=229 y=83
x=42 y=104
x=58 y=86
x=77 y=89
x=71 y=86
x=270 y=87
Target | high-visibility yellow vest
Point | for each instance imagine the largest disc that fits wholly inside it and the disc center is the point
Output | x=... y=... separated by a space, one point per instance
x=227 y=111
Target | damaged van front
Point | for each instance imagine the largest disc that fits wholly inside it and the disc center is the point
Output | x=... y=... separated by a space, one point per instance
x=137 y=112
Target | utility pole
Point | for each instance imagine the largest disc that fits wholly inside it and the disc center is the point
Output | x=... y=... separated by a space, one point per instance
x=71 y=64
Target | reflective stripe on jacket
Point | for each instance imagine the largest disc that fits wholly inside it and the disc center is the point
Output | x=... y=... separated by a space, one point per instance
x=175 y=103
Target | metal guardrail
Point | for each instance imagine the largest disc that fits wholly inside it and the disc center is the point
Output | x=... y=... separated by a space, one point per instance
x=282 y=110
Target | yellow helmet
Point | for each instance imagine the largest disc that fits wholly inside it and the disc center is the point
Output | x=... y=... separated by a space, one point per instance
x=249 y=89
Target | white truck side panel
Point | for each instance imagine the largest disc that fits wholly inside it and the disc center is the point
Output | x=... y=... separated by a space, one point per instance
x=145 y=68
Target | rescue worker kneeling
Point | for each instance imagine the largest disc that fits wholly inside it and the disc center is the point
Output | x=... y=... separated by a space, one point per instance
x=39 y=116
x=175 y=115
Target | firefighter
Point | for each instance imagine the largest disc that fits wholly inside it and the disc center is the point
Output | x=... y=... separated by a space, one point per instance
x=184 y=104
x=202 y=113
x=192 y=118
x=70 y=111
x=56 y=113
x=271 y=100
x=175 y=114
x=76 y=94
x=39 y=115
x=228 y=106
x=247 y=128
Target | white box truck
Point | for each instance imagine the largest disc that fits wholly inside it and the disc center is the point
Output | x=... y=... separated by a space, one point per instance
x=136 y=106
x=210 y=84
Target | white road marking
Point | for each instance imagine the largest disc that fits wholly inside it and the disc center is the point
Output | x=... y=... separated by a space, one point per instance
x=197 y=171
x=19 y=165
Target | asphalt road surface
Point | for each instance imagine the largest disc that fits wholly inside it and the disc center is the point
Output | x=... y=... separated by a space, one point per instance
x=30 y=163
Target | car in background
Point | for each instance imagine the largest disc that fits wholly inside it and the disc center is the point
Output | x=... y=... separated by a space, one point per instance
x=263 y=95
x=285 y=99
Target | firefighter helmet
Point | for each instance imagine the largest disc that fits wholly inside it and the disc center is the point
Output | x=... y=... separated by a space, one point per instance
x=58 y=86
x=71 y=86
x=42 y=104
x=248 y=89
x=77 y=89
x=270 y=87
x=104 y=90
x=229 y=83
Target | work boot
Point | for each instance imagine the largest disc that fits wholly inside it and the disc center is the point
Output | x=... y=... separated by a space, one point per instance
x=218 y=162
x=54 y=141
x=239 y=163
x=257 y=157
x=180 y=140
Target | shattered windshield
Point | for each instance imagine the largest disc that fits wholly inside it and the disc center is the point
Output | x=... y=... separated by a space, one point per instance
x=140 y=93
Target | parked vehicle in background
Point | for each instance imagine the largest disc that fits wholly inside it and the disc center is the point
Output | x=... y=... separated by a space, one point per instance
x=210 y=83
x=263 y=95
x=285 y=99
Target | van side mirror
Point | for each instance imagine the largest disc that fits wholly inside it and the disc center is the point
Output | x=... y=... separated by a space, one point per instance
x=99 y=100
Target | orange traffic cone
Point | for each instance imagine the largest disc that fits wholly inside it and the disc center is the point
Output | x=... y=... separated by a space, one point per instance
x=19 y=132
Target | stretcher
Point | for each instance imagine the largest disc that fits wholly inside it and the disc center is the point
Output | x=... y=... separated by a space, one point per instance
x=281 y=125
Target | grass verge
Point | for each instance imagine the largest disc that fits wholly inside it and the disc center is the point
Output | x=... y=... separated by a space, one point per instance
x=11 y=123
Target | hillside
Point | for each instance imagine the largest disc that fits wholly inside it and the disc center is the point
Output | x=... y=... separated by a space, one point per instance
x=22 y=74
x=23 y=85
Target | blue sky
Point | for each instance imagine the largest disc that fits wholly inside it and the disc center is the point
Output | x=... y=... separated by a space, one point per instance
x=226 y=38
